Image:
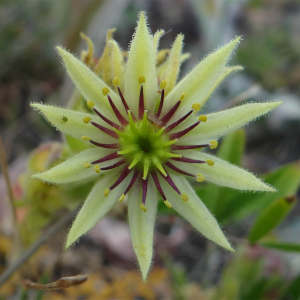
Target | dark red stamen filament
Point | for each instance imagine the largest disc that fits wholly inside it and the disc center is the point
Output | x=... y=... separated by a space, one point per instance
x=171 y=183
x=133 y=180
x=144 y=188
x=106 y=130
x=170 y=113
x=187 y=147
x=141 y=103
x=171 y=166
x=111 y=123
x=119 y=163
x=188 y=160
x=121 y=119
x=108 y=146
x=173 y=125
x=181 y=133
x=156 y=181
x=161 y=103
x=123 y=175
x=106 y=158
x=125 y=103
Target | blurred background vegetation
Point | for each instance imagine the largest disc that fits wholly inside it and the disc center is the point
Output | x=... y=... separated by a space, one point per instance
x=264 y=228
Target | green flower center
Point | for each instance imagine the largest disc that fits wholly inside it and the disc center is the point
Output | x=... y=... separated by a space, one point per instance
x=144 y=146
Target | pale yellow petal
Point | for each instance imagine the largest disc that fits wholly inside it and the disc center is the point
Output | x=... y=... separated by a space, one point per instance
x=223 y=173
x=73 y=168
x=223 y=122
x=117 y=62
x=194 y=211
x=71 y=122
x=173 y=68
x=142 y=224
x=156 y=38
x=141 y=62
x=96 y=206
x=161 y=70
x=226 y=72
x=197 y=84
x=89 y=84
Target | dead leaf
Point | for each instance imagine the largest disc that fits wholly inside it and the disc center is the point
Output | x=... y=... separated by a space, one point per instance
x=62 y=283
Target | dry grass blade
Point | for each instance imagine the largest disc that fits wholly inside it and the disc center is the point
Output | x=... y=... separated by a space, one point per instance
x=62 y=283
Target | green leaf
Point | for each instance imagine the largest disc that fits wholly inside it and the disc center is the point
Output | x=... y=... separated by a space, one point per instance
x=290 y=247
x=286 y=179
x=293 y=290
x=233 y=147
x=270 y=217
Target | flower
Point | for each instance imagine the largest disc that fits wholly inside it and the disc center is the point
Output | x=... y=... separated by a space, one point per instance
x=146 y=135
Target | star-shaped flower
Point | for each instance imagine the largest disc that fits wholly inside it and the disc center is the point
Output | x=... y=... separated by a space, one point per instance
x=146 y=137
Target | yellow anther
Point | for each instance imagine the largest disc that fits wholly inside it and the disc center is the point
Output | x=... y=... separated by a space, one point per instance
x=168 y=204
x=86 y=119
x=143 y=207
x=116 y=81
x=87 y=165
x=105 y=91
x=210 y=162
x=85 y=138
x=200 y=177
x=182 y=96
x=163 y=84
x=106 y=192
x=196 y=106
x=90 y=104
x=142 y=79
x=202 y=118
x=97 y=169
x=184 y=197
x=213 y=144
x=122 y=198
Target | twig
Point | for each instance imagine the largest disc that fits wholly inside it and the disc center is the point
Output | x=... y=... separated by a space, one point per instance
x=4 y=167
x=28 y=253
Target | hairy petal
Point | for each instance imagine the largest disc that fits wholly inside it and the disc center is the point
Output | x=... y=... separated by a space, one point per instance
x=71 y=122
x=226 y=72
x=156 y=37
x=173 y=68
x=88 y=83
x=199 y=81
x=161 y=70
x=141 y=62
x=223 y=173
x=117 y=62
x=73 y=170
x=96 y=206
x=226 y=121
x=194 y=211
x=142 y=224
